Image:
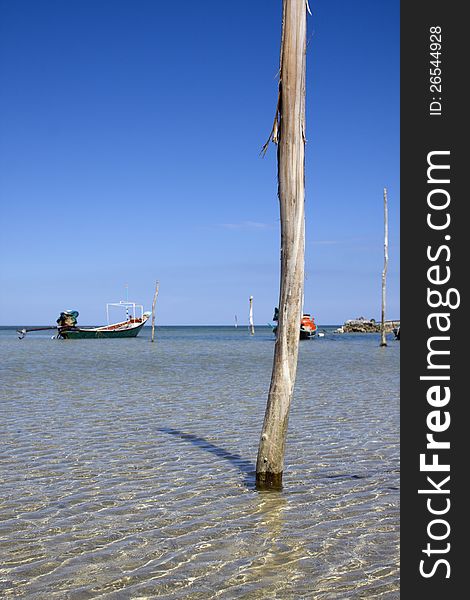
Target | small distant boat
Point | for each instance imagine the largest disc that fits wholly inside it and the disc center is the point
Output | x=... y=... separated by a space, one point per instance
x=308 y=327
x=67 y=328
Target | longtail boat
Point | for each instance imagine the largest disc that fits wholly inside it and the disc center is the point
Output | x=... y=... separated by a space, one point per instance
x=67 y=328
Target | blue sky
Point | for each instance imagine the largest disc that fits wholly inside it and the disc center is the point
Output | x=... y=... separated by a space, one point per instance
x=129 y=151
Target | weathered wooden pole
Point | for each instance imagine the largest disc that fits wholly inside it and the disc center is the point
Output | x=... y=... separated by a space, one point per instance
x=289 y=132
x=252 y=327
x=157 y=285
x=383 y=338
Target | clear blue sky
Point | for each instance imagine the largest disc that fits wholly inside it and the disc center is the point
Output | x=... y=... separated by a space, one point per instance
x=129 y=151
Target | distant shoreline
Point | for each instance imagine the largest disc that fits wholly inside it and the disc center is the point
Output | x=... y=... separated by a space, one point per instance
x=242 y=326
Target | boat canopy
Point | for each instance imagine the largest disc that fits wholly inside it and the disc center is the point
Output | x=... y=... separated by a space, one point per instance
x=131 y=309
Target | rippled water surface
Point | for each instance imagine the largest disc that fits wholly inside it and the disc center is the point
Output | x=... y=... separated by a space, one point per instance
x=127 y=469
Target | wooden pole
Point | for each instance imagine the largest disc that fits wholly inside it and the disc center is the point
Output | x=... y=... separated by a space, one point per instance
x=383 y=339
x=157 y=285
x=289 y=132
x=252 y=327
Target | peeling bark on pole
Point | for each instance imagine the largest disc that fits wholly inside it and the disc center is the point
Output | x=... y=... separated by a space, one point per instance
x=289 y=132
x=383 y=339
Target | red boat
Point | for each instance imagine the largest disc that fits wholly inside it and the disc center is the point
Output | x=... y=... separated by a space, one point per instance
x=308 y=327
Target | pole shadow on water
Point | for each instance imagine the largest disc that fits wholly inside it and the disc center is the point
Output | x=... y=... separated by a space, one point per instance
x=244 y=466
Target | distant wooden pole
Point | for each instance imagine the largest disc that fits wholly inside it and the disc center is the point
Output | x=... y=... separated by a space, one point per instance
x=252 y=327
x=289 y=132
x=157 y=285
x=383 y=339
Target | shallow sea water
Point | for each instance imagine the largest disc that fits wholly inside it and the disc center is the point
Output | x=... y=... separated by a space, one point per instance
x=127 y=469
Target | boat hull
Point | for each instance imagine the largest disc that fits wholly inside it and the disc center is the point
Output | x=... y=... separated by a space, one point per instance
x=87 y=334
x=304 y=334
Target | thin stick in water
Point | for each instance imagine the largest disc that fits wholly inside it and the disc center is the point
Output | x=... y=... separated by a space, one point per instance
x=157 y=285
x=252 y=327
x=383 y=339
